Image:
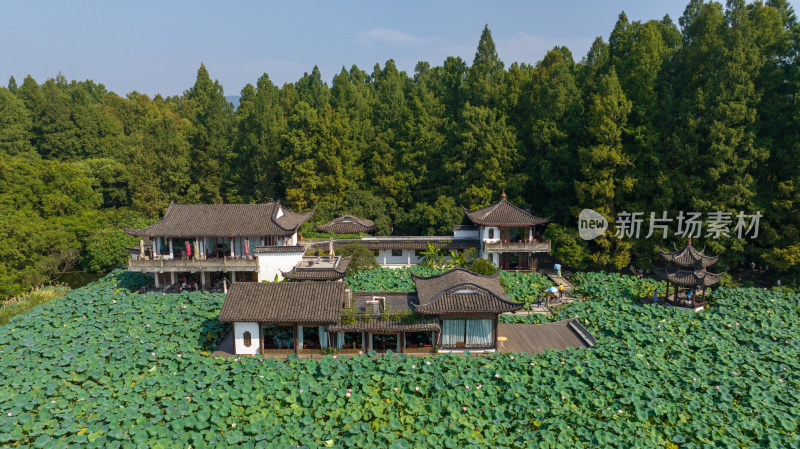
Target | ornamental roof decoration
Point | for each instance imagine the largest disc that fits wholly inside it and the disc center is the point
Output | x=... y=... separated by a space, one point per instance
x=347 y=224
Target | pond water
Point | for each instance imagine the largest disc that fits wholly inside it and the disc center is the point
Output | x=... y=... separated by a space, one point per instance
x=77 y=279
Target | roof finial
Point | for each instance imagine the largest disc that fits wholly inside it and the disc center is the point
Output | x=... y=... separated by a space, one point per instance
x=503 y=195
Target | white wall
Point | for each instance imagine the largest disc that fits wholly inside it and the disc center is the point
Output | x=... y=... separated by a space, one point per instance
x=270 y=264
x=485 y=234
x=408 y=257
x=459 y=234
x=255 y=336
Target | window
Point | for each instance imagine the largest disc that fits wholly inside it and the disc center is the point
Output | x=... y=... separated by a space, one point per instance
x=248 y=339
x=375 y=252
x=491 y=233
x=397 y=252
x=467 y=333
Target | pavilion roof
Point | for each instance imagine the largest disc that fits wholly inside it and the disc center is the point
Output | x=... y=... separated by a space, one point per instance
x=688 y=278
x=348 y=224
x=688 y=257
x=225 y=220
x=503 y=213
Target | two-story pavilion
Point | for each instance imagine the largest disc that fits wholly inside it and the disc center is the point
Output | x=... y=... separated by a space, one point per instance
x=208 y=241
x=507 y=235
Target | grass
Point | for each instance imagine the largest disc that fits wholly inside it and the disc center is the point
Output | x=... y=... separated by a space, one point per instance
x=27 y=301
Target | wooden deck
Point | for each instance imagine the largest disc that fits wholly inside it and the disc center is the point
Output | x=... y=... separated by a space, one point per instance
x=535 y=338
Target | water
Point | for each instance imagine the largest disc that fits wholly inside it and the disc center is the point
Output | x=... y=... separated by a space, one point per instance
x=77 y=279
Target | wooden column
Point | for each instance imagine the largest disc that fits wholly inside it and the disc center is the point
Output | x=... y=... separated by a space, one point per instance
x=296 y=340
x=261 y=337
x=173 y=277
x=495 y=331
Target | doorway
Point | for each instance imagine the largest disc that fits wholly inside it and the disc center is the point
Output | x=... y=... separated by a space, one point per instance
x=383 y=342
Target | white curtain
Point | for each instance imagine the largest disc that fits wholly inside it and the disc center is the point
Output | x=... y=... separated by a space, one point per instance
x=323 y=336
x=452 y=332
x=300 y=337
x=479 y=333
x=339 y=340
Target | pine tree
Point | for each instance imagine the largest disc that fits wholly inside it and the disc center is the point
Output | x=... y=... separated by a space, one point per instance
x=210 y=114
x=12 y=85
x=15 y=125
x=259 y=124
x=485 y=77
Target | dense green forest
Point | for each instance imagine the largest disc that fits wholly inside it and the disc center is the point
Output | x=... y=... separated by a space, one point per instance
x=699 y=116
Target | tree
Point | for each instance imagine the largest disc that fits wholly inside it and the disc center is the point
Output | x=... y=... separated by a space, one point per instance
x=210 y=115
x=600 y=182
x=485 y=77
x=362 y=257
x=312 y=90
x=12 y=85
x=318 y=163
x=259 y=124
x=482 y=266
x=15 y=125
x=482 y=157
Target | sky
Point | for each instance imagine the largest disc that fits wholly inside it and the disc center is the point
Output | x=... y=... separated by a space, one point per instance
x=156 y=47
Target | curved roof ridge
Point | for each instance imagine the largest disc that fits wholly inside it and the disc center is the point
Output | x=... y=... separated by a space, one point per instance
x=458 y=269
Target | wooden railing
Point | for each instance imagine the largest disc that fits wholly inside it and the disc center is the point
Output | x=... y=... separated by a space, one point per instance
x=520 y=246
x=193 y=264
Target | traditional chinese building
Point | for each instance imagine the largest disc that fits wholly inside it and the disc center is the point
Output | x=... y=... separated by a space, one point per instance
x=240 y=242
x=454 y=311
x=686 y=279
x=507 y=235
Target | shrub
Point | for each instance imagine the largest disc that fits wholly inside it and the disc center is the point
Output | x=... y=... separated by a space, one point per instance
x=482 y=266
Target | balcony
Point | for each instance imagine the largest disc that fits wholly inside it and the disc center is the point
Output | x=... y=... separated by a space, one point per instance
x=192 y=265
x=529 y=247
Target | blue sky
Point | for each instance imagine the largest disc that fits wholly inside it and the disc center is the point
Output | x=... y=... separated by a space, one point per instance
x=157 y=46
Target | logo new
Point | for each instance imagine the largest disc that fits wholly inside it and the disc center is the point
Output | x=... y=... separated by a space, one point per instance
x=591 y=224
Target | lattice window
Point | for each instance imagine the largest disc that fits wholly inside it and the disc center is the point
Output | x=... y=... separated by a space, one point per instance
x=248 y=339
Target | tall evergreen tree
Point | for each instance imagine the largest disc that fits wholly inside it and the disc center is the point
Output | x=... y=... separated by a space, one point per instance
x=260 y=125
x=210 y=114
x=15 y=125
x=485 y=77
x=12 y=85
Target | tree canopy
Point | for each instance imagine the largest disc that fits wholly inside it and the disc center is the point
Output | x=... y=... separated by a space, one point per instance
x=701 y=116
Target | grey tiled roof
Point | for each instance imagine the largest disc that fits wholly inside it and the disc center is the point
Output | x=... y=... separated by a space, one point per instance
x=376 y=324
x=419 y=244
x=688 y=257
x=462 y=291
x=319 y=274
x=224 y=220
x=279 y=249
x=687 y=278
x=503 y=213
x=284 y=302
x=348 y=224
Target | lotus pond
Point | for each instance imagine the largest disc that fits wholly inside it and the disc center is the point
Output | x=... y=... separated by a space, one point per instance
x=103 y=367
